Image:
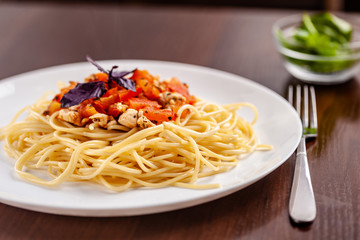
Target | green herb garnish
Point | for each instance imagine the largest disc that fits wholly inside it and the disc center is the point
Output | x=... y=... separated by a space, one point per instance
x=322 y=34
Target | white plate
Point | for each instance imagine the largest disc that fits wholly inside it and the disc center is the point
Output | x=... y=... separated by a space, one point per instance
x=278 y=124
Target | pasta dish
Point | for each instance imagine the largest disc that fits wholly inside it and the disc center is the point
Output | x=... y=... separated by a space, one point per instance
x=127 y=130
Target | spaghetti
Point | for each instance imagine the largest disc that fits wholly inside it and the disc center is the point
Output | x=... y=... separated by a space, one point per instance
x=202 y=140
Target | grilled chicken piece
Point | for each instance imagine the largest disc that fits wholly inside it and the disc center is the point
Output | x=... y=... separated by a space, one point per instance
x=171 y=99
x=129 y=118
x=70 y=115
x=121 y=107
x=100 y=119
x=143 y=122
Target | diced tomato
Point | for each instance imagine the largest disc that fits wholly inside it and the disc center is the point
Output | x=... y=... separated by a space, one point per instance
x=142 y=75
x=145 y=81
x=54 y=106
x=86 y=110
x=103 y=77
x=149 y=90
x=138 y=103
x=176 y=86
x=192 y=99
x=107 y=101
x=57 y=97
x=125 y=95
x=113 y=111
x=111 y=91
x=122 y=93
x=99 y=106
x=102 y=104
x=97 y=77
x=158 y=115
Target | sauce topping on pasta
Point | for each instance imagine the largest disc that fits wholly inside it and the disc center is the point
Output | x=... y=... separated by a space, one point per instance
x=152 y=102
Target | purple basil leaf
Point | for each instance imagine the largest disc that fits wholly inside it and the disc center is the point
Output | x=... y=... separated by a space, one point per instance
x=127 y=83
x=81 y=92
x=121 y=74
x=101 y=69
x=117 y=76
x=120 y=79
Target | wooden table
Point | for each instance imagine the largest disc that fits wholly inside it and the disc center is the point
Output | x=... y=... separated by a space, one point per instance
x=234 y=40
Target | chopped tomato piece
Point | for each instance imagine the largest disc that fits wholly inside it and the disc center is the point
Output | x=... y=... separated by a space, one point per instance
x=125 y=95
x=101 y=77
x=97 y=77
x=145 y=81
x=87 y=110
x=113 y=111
x=111 y=91
x=142 y=75
x=54 y=106
x=176 y=86
x=149 y=90
x=122 y=93
x=138 y=103
x=107 y=101
x=99 y=106
x=192 y=99
x=102 y=104
x=158 y=115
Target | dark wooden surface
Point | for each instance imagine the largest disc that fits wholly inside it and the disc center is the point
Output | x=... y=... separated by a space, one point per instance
x=230 y=39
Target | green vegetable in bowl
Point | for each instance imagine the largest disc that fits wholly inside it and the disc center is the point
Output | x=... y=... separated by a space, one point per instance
x=322 y=34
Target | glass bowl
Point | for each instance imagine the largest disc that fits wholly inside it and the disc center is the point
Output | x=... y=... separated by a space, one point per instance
x=314 y=68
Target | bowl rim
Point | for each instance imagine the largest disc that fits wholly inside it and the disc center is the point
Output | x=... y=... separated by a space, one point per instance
x=293 y=19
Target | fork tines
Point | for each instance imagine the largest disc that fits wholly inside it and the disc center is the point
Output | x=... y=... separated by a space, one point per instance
x=302 y=98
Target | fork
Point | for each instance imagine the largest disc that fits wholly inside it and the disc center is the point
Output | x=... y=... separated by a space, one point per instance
x=302 y=207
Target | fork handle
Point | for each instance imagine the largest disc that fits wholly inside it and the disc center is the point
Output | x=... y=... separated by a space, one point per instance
x=302 y=206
